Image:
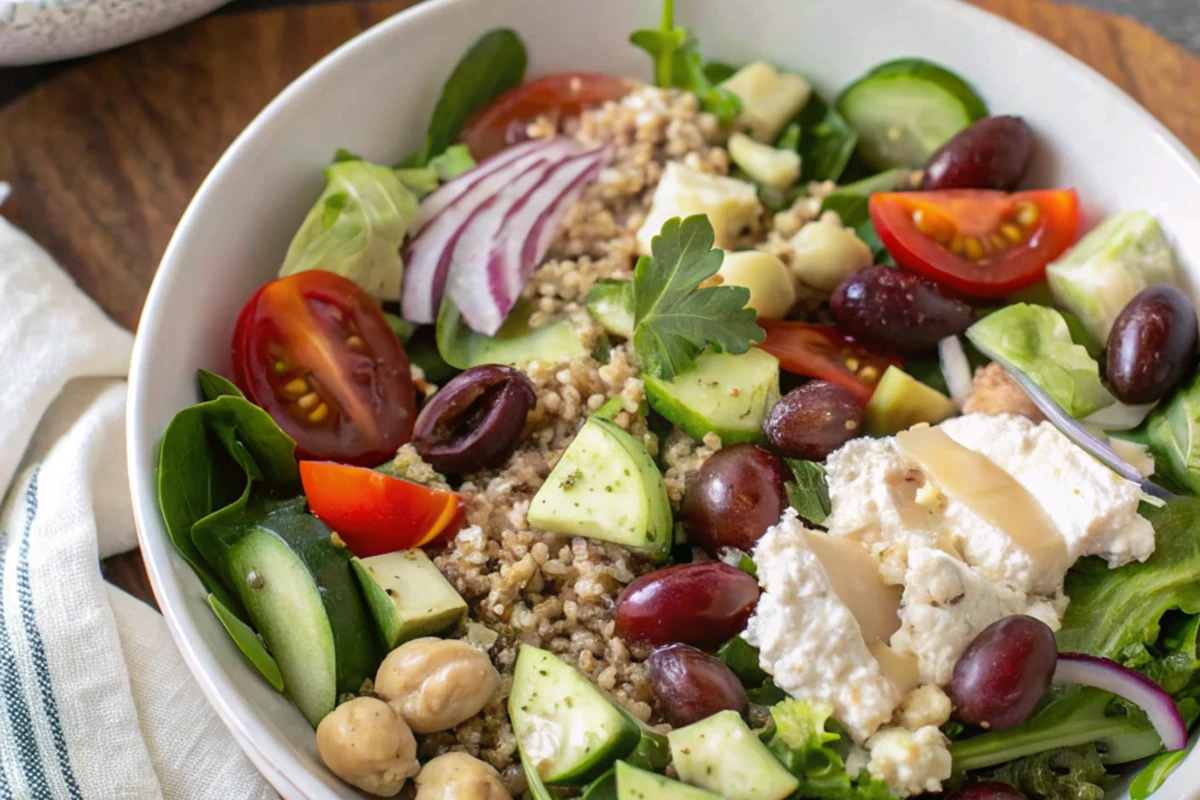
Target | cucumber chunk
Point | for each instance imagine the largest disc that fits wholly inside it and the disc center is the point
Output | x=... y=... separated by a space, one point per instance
x=906 y=109
x=407 y=596
x=610 y=302
x=568 y=730
x=729 y=395
x=515 y=344
x=721 y=754
x=637 y=784
x=606 y=487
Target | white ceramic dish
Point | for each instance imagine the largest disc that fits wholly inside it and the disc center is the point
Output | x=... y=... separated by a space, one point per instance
x=374 y=96
x=36 y=31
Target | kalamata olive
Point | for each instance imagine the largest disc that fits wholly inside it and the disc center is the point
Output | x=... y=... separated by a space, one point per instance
x=1004 y=672
x=988 y=790
x=993 y=153
x=475 y=420
x=704 y=605
x=1152 y=345
x=691 y=685
x=738 y=493
x=814 y=420
x=896 y=310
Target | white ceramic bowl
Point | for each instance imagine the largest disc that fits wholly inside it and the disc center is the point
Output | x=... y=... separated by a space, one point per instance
x=374 y=96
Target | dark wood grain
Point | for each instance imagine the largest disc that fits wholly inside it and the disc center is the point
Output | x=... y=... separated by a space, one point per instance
x=104 y=155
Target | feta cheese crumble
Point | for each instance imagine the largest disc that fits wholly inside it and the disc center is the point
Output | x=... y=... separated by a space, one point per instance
x=911 y=762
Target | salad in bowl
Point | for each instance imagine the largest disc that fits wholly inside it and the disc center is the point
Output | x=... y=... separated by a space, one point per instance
x=710 y=438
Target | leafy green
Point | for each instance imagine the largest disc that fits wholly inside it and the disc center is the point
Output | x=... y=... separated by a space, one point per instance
x=602 y=788
x=248 y=642
x=1062 y=774
x=492 y=66
x=809 y=495
x=674 y=320
x=213 y=385
x=854 y=211
x=454 y=161
x=826 y=141
x=1173 y=433
x=208 y=458
x=516 y=343
x=742 y=659
x=418 y=180
x=1155 y=774
x=653 y=751
x=356 y=228
x=804 y=743
x=678 y=64
x=1036 y=340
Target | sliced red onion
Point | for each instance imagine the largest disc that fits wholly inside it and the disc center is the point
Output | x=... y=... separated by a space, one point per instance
x=1119 y=417
x=446 y=194
x=956 y=369
x=1080 y=435
x=427 y=260
x=1102 y=673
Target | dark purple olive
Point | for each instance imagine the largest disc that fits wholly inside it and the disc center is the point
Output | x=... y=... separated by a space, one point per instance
x=1152 y=345
x=691 y=685
x=474 y=421
x=1004 y=672
x=988 y=790
x=895 y=310
x=993 y=153
x=814 y=420
x=702 y=604
x=738 y=493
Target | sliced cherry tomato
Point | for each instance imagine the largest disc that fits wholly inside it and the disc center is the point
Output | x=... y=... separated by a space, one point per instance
x=316 y=352
x=376 y=513
x=981 y=243
x=821 y=351
x=503 y=122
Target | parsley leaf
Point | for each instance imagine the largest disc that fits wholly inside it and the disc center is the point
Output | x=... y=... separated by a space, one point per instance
x=674 y=320
x=678 y=64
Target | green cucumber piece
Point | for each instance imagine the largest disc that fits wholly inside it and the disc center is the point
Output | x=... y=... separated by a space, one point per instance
x=904 y=110
x=407 y=595
x=248 y=642
x=515 y=344
x=721 y=754
x=638 y=784
x=568 y=730
x=610 y=302
x=729 y=395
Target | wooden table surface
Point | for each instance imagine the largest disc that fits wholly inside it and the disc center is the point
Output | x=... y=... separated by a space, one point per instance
x=104 y=155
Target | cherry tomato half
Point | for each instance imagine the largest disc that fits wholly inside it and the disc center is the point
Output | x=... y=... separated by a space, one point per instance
x=980 y=243
x=375 y=513
x=503 y=122
x=316 y=352
x=821 y=351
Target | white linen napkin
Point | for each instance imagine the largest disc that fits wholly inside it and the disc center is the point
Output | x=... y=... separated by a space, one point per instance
x=95 y=701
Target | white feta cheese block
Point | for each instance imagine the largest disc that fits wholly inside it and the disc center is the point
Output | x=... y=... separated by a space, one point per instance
x=911 y=762
x=770 y=98
x=809 y=640
x=945 y=606
x=730 y=205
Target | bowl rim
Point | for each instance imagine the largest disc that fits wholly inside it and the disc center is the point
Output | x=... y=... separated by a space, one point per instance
x=237 y=715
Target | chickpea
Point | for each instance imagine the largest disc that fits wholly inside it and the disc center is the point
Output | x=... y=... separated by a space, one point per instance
x=826 y=253
x=772 y=288
x=435 y=684
x=366 y=743
x=458 y=776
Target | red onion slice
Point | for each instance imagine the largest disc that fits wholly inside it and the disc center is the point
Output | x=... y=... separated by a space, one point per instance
x=956 y=369
x=427 y=259
x=1102 y=673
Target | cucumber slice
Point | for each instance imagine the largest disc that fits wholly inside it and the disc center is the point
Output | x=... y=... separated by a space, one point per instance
x=568 y=730
x=906 y=109
x=721 y=754
x=638 y=784
x=726 y=394
x=407 y=596
x=248 y=642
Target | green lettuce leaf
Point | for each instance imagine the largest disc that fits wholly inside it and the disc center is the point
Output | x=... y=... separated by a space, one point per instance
x=356 y=228
x=1036 y=340
x=1063 y=774
x=1173 y=433
x=806 y=741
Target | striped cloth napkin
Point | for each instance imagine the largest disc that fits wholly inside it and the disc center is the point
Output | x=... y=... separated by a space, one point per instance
x=95 y=701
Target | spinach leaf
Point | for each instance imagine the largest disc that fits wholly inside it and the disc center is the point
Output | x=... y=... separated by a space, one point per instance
x=248 y=642
x=1173 y=432
x=603 y=788
x=742 y=659
x=213 y=385
x=674 y=319
x=809 y=494
x=493 y=65
x=826 y=141
x=677 y=64
x=653 y=751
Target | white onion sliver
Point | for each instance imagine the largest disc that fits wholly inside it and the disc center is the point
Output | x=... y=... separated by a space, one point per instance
x=1102 y=673
x=427 y=258
x=956 y=369
x=1119 y=416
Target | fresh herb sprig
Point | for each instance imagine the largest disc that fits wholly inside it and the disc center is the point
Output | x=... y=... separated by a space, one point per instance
x=674 y=319
x=678 y=64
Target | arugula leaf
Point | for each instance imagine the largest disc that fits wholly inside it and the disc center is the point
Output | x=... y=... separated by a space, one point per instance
x=809 y=495
x=826 y=141
x=674 y=320
x=492 y=66
x=805 y=744
x=677 y=64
